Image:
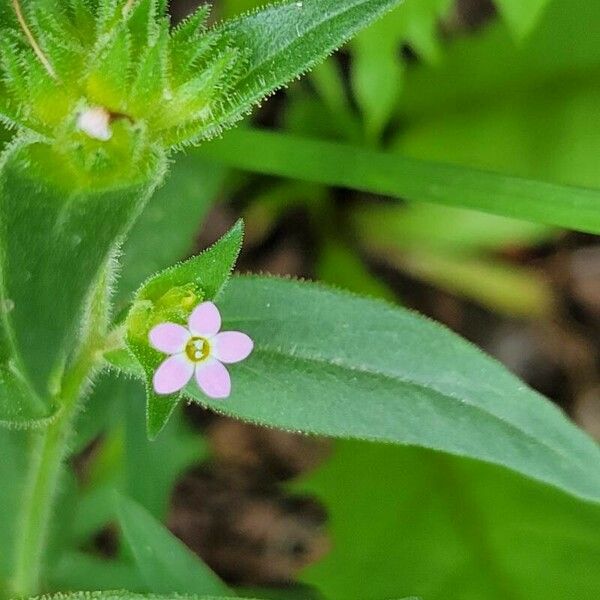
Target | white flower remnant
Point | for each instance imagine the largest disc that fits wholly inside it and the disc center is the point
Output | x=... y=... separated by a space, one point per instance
x=96 y=123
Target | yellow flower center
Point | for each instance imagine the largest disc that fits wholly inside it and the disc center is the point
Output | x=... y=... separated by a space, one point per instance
x=197 y=349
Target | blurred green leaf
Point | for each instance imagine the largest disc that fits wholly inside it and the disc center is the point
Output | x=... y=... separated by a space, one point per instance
x=306 y=115
x=339 y=265
x=444 y=228
x=453 y=249
x=507 y=289
x=165 y=563
x=285 y=40
x=522 y=15
x=101 y=410
x=268 y=206
x=330 y=363
x=152 y=468
x=167 y=229
x=388 y=174
x=328 y=115
x=125 y=460
x=95 y=510
x=230 y=8
x=488 y=68
x=377 y=68
x=530 y=110
x=60 y=534
x=407 y=519
x=80 y=571
x=328 y=79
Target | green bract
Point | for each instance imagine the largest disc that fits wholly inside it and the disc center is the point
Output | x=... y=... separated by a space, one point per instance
x=144 y=84
x=157 y=85
x=171 y=296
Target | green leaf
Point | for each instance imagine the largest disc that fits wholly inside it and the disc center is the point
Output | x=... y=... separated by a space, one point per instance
x=455 y=249
x=166 y=230
x=377 y=70
x=444 y=229
x=80 y=571
x=329 y=363
x=101 y=409
x=95 y=510
x=295 y=592
x=122 y=595
x=152 y=468
x=377 y=80
x=536 y=65
x=108 y=78
x=405 y=178
x=164 y=562
x=464 y=529
x=504 y=288
x=20 y=406
x=339 y=265
x=14 y=447
x=521 y=15
x=171 y=296
x=329 y=113
x=55 y=241
x=285 y=40
x=146 y=471
x=532 y=109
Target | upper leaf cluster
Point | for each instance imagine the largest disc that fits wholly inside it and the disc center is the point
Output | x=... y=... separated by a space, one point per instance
x=164 y=85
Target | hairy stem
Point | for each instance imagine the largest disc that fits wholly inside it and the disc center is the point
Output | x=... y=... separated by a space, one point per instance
x=50 y=449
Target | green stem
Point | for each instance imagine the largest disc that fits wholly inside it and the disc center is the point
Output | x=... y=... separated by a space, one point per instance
x=49 y=451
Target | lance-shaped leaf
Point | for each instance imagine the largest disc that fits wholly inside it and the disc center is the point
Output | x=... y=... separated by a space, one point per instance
x=389 y=174
x=166 y=565
x=58 y=229
x=285 y=40
x=329 y=363
x=171 y=296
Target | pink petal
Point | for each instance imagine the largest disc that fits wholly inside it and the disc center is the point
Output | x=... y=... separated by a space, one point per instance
x=205 y=320
x=213 y=379
x=231 y=346
x=173 y=374
x=169 y=338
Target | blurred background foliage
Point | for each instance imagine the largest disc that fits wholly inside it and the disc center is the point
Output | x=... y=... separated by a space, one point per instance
x=469 y=83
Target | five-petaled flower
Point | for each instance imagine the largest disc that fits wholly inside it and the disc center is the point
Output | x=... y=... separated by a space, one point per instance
x=198 y=349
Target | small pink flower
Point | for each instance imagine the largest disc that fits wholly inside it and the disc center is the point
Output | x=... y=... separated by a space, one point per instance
x=198 y=349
